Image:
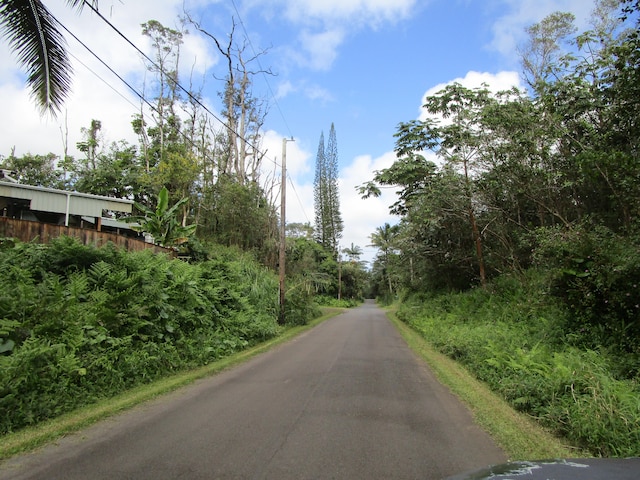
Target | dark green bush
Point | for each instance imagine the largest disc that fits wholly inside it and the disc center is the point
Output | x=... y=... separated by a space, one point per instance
x=79 y=323
x=597 y=276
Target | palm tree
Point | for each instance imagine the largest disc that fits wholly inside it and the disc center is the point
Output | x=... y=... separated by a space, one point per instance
x=384 y=238
x=354 y=252
x=34 y=36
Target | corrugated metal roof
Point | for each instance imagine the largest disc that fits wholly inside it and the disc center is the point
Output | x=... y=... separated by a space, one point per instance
x=61 y=201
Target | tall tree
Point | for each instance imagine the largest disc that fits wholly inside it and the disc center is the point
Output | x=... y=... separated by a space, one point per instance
x=157 y=139
x=458 y=140
x=91 y=143
x=34 y=35
x=336 y=224
x=319 y=192
x=329 y=225
x=244 y=113
x=542 y=56
x=353 y=253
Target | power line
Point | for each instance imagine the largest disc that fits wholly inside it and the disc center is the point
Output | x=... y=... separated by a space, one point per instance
x=101 y=79
x=133 y=89
x=183 y=89
x=106 y=65
x=298 y=198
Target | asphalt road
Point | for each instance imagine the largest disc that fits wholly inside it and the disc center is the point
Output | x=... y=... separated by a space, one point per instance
x=345 y=400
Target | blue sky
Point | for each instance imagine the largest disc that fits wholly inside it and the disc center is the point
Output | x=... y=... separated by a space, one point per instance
x=364 y=65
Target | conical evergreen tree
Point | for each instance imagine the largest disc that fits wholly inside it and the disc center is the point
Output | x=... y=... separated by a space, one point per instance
x=319 y=192
x=328 y=220
x=333 y=195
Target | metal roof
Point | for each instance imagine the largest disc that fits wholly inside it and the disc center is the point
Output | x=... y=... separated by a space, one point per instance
x=60 y=201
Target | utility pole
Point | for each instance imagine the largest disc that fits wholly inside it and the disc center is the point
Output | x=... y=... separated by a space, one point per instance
x=283 y=223
x=339 y=273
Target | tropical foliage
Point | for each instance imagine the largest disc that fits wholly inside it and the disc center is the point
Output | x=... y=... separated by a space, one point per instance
x=513 y=338
x=79 y=323
x=161 y=223
x=34 y=35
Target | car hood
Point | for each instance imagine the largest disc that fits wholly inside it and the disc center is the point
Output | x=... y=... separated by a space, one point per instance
x=566 y=469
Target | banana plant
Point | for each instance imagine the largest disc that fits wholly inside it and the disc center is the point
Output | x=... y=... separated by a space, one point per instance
x=162 y=222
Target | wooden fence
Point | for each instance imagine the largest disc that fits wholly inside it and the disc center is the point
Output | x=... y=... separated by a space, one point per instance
x=28 y=231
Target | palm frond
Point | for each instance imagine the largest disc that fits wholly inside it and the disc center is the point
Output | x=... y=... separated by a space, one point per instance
x=33 y=35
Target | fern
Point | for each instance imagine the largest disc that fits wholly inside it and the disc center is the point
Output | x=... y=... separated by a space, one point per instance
x=99 y=272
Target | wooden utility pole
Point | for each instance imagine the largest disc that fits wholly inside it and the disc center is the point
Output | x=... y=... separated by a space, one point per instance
x=339 y=274
x=283 y=232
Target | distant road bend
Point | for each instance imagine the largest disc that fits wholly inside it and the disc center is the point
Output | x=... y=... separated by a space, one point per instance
x=345 y=400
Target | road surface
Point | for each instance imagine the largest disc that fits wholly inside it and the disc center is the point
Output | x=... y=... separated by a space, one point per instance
x=345 y=400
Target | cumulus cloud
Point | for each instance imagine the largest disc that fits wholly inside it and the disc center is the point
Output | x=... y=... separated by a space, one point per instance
x=320 y=49
x=362 y=216
x=309 y=90
x=297 y=158
x=284 y=89
x=23 y=128
x=371 y=12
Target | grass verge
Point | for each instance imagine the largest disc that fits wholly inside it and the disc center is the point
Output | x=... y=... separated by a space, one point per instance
x=33 y=437
x=519 y=436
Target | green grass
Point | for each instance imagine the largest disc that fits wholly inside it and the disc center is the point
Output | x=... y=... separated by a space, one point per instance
x=33 y=437
x=518 y=435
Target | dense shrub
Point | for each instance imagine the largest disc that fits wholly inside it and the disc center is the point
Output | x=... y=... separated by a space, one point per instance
x=327 y=301
x=512 y=336
x=80 y=323
x=597 y=276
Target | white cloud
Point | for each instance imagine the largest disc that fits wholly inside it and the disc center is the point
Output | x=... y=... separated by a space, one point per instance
x=320 y=49
x=324 y=24
x=284 y=89
x=30 y=133
x=309 y=90
x=369 y=12
x=316 y=92
x=299 y=207
x=362 y=216
x=297 y=158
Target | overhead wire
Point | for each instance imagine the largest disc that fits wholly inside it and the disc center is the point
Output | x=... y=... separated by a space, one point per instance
x=180 y=87
x=133 y=89
x=104 y=64
x=298 y=198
